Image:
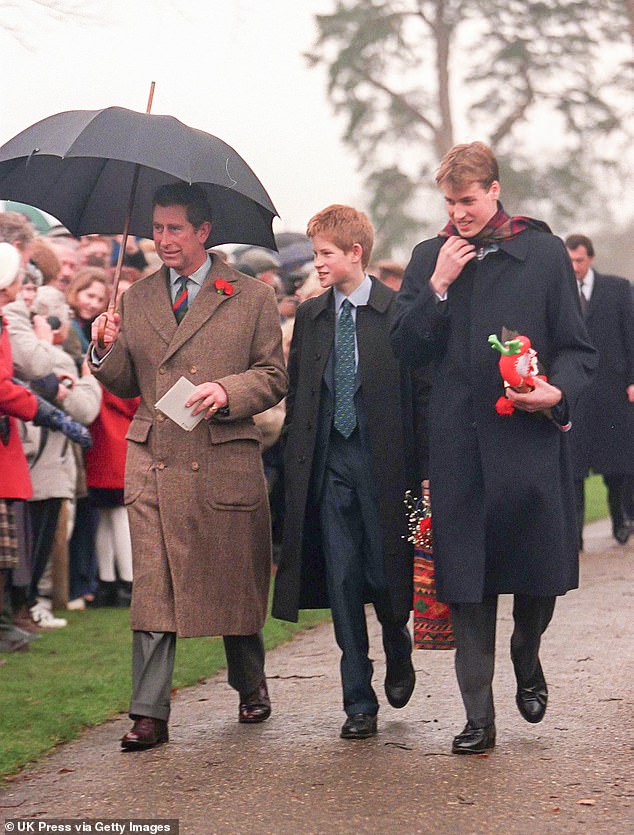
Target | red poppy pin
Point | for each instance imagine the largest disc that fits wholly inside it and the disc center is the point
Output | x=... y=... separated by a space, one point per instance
x=223 y=287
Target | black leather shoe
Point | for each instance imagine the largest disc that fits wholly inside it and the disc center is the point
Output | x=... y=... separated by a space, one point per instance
x=621 y=534
x=359 y=726
x=400 y=679
x=474 y=740
x=531 y=702
x=145 y=733
x=256 y=707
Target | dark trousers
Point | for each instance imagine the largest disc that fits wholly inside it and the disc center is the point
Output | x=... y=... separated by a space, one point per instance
x=153 y=656
x=628 y=499
x=474 y=631
x=82 y=557
x=615 y=485
x=43 y=516
x=355 y=571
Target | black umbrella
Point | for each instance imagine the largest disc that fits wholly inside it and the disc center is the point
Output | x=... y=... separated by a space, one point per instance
x=80 y=167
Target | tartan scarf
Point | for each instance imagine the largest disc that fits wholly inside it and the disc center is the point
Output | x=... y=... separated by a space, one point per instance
x=501 y=227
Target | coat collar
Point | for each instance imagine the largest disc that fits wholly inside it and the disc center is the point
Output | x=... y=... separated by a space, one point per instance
x=380 y=299
x=158 y=304
x=516 y=247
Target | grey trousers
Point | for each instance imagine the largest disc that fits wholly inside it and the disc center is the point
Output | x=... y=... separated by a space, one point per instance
x=153 y=665
x=474 y=631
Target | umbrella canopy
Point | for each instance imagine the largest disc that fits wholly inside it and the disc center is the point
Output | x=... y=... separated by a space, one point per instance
x=294 y=251
x=39 y=221
x=79 y=166
x=287 y=238
x=294 y=255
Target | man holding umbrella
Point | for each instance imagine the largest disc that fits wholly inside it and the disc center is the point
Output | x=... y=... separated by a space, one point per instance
x=196 y=500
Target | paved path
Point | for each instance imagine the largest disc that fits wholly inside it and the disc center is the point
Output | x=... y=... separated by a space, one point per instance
x=293 y=774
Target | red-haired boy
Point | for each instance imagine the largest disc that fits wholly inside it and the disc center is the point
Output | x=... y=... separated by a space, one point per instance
x=349 y=458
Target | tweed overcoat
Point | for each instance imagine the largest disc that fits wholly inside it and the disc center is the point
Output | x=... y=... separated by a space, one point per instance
x=197 y=501
x=603 y=436
x=501 y=487
x=388 y=404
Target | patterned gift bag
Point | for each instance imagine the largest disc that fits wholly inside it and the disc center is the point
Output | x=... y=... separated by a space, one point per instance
x=432 y=622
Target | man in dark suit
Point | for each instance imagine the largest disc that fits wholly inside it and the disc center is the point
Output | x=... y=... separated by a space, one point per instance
x=501 y=485
x=349 y=459
x=603 y=435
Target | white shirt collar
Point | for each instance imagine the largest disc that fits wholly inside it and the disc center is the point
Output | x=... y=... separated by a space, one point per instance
x=587 y=285
x=358 y=297
x=197 y=277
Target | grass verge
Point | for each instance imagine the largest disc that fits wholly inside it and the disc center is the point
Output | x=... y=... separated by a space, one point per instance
x=80 y=676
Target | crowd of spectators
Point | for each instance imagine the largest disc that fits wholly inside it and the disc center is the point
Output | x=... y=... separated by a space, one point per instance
x=71 y=543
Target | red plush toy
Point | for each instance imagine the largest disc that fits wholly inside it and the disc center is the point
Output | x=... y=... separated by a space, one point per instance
x=518 y=367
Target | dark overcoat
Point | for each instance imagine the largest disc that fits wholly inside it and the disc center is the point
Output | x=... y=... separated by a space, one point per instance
x=387 y=397
x=197 y=501
x=603 y=436
x=501 y=487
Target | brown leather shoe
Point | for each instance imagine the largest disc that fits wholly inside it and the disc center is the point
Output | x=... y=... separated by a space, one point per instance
x=256 y=707
x=145 y=733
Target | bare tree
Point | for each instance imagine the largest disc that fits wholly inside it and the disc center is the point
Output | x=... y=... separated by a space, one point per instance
x=412 y=77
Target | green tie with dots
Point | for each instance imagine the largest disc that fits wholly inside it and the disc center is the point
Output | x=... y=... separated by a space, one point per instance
x=345 y=415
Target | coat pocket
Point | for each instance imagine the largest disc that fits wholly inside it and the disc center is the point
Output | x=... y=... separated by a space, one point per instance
x=138 y=431
x=235 y=475
x=138 y=460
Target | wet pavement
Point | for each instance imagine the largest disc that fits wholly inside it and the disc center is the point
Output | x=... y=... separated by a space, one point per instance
x=293 y=774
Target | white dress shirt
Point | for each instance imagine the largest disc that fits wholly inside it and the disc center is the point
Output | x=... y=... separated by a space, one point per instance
x=587 y=285
x=194 y=281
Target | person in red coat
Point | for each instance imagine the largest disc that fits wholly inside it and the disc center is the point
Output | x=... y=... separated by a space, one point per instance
x=15 y=402
x=105 y=466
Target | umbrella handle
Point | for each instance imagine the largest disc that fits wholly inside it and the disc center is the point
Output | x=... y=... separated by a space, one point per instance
x=124 y=238
x=117 y=272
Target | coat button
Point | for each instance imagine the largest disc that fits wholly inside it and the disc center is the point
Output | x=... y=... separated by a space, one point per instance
x=160 y=465
x=195 y=466
x=160 y=417
x=193 y=369
x=301 y=459
x=317 y=356
x=162 y=370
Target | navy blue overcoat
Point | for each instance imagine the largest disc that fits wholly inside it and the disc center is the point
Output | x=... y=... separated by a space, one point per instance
x=501 y=487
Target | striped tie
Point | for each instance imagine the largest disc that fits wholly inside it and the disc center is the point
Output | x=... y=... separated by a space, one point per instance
x=345 y=414
x=181 y=302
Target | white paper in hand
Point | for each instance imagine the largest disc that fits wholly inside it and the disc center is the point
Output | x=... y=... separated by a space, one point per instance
x=173 y=402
